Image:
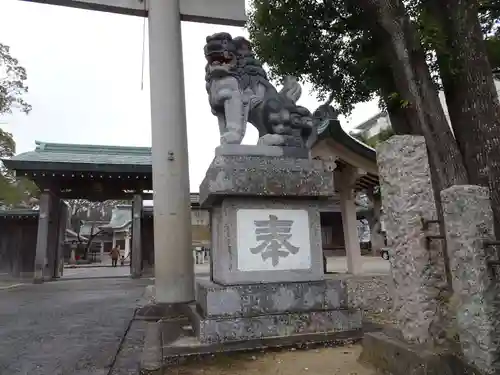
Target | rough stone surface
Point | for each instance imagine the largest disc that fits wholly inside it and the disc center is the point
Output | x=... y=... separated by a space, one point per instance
x=469 y=222
x=265 y=176
x=151 y=355
x=370 y=294
x=225 y=244
x=221 y=330
x=180 y=344
x=259 y=299
x=261 y=150
x=418 y=271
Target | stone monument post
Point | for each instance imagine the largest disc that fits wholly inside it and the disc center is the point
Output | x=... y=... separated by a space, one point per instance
x=267 y=258
x=468 y=220
x=416 y=252
x=417 y=261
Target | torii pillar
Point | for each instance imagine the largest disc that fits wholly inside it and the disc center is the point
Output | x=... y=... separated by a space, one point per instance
x=174 y=266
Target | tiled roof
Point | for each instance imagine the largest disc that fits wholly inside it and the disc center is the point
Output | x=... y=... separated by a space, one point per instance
x=86 y=154
x=90 y=226
x=120 y=218
x=333 y=129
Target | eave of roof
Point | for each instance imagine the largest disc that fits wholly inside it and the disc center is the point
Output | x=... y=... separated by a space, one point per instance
x=117 y=159
x=333 y=129
x=108 y=227
x=121 y=218
x=60 y=157
x=72 y=233
x=19 y=213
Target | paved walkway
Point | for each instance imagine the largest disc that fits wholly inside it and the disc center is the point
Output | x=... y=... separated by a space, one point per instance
x=66 y=327
x=75 y=326
x=95 y=272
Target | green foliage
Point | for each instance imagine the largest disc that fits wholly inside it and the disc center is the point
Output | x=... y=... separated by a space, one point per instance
x=384 y=135
x=328 y=44
x=493 y=48
x=14 y=192
x=317 y=41
x=12 y=83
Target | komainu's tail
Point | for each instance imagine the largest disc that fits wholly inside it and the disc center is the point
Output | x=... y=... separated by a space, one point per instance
x=291 y=89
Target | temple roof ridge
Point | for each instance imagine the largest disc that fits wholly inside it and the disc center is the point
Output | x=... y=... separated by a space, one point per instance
x=42 y=146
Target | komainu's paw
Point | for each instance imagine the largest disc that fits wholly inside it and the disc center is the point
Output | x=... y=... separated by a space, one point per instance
x=231 y=138
x=271 y=140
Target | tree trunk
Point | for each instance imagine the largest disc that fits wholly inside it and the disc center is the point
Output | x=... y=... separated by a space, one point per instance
x=470 y=91
x=417 y=90
x=420 y=107
x=402 y=119
x=388 y=20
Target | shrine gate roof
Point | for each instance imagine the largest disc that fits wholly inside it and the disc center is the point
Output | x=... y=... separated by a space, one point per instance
x=332 y=129
x=75 y=157
x=334 y=142
x=91 y=172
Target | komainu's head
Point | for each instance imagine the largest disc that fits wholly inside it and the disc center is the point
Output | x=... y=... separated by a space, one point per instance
x=221 y=53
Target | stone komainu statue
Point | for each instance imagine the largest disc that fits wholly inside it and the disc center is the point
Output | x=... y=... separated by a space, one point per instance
x=240 y=92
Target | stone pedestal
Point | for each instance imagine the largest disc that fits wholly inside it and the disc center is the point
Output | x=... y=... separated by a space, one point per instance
x=227 y=314
x=267 y=264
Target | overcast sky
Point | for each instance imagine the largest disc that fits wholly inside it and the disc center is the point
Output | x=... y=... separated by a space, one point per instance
x=84 y=78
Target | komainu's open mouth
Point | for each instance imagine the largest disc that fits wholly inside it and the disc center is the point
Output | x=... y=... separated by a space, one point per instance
x=219 y=59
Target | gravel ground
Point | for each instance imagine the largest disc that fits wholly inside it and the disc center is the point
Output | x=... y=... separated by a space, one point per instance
x=373 y=295
x=65 y=327
x=325 y=361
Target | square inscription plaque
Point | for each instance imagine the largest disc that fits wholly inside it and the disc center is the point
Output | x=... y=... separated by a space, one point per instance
x=273 y=239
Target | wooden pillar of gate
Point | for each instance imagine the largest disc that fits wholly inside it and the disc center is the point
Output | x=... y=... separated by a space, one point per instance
x=136 y=252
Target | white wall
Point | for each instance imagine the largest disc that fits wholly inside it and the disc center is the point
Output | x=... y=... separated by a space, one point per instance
x=381 y=124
